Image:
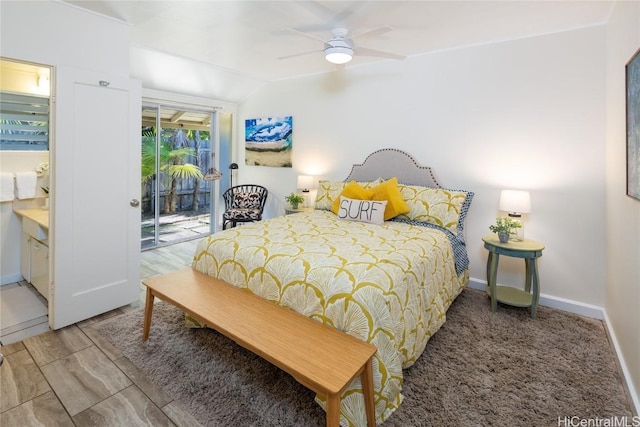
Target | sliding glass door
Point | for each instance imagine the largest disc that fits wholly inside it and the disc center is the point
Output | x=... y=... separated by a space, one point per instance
x=178 y=151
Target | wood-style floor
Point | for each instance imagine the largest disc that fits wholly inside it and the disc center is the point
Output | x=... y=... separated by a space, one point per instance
x=73 y=377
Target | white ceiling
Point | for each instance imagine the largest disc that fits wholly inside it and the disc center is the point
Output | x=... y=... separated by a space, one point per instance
x=238 y=43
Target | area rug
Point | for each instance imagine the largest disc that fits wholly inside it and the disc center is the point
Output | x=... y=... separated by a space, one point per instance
x=480 y=369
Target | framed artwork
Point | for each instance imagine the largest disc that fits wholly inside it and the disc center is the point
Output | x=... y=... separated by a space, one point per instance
x=268 y=142
x=632 y=71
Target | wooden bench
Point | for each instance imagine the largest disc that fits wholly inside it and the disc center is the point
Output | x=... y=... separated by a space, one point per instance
x=319 y=357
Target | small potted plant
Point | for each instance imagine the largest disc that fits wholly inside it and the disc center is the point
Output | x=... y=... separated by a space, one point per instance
x=505 y=226
x=294 y=200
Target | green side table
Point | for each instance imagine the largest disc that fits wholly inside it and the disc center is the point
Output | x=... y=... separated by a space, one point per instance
x=530 y=251
x=290 y=210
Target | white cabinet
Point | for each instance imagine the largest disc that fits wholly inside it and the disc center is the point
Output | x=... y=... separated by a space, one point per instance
x=39 y=254
x=34 y=265
x=25 y=257
x=34 y=229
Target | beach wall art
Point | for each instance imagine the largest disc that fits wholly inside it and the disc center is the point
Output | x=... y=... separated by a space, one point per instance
x=268 y=142
x=633 y=126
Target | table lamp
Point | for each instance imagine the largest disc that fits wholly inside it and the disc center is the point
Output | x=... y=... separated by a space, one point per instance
x=306 y=182
x=515 y=203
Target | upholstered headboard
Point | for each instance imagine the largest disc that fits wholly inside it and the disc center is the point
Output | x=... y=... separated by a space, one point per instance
x=389 y=162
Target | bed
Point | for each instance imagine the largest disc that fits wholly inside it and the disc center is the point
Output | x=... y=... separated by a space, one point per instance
x=387 y=283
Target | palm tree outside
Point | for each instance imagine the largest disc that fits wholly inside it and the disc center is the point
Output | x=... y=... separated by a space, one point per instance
x=180 y=176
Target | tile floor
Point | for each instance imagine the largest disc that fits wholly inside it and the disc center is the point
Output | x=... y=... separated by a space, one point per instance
x=23 y=312
x=73 y=377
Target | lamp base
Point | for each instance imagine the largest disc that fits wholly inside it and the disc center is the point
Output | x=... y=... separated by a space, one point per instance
x=517 y=235
x=305 y=194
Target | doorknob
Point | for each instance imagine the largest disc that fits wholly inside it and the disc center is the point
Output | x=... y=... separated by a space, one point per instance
x=135 y=203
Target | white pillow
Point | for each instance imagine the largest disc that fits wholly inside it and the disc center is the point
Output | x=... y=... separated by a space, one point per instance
x=371 y=211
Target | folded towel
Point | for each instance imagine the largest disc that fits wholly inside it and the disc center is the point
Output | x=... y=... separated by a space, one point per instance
x=26 y=185
x=6 y=187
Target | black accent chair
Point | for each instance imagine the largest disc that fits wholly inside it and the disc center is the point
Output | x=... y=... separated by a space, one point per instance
x=243 y=203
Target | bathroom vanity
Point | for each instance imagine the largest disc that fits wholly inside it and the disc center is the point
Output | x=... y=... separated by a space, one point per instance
x=34 y=265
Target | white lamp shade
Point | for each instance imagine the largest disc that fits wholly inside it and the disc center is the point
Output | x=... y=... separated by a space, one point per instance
x=338 y=55
x=305 y=182
x=515 y=201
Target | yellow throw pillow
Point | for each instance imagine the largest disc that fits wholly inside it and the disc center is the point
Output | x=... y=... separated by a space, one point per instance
x=352 y=190
x=390 y=192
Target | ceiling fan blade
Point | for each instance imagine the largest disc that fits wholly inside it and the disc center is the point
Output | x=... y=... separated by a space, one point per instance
x=303 y=34
x=316 y=9
x=299 y=54
x=341 y=18
x=330 y=18
x=363 y=51
x=315 y=28
x=373 y=32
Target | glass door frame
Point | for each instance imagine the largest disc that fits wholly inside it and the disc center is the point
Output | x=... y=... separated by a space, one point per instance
x=214 y=145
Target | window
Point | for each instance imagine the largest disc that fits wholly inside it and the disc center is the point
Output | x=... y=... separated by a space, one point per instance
x=24 y=122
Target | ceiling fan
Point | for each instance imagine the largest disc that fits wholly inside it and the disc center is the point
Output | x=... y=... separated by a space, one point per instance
x=341 y=48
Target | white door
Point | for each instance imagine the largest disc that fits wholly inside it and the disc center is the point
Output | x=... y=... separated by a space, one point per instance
x=95 y=168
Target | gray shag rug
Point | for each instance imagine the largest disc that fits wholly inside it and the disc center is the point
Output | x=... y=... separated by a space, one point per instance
x=480 y=369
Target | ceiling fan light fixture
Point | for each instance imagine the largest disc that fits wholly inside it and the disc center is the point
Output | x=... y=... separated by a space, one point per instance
x=338 y=54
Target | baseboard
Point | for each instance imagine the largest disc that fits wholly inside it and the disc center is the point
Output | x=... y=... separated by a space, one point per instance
x=10 y=278
x=630 y=389
x=587 y=310
x=563 y=304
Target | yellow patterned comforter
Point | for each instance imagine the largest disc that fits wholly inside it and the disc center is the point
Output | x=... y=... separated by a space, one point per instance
x=387 y=284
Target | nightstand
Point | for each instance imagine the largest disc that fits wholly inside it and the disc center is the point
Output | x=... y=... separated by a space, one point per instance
x=530 y=251
x=290 y=210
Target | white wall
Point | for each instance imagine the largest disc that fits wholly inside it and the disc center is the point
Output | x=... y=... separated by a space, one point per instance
x=526 y=114
x=56 y=33
x=623 y=213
